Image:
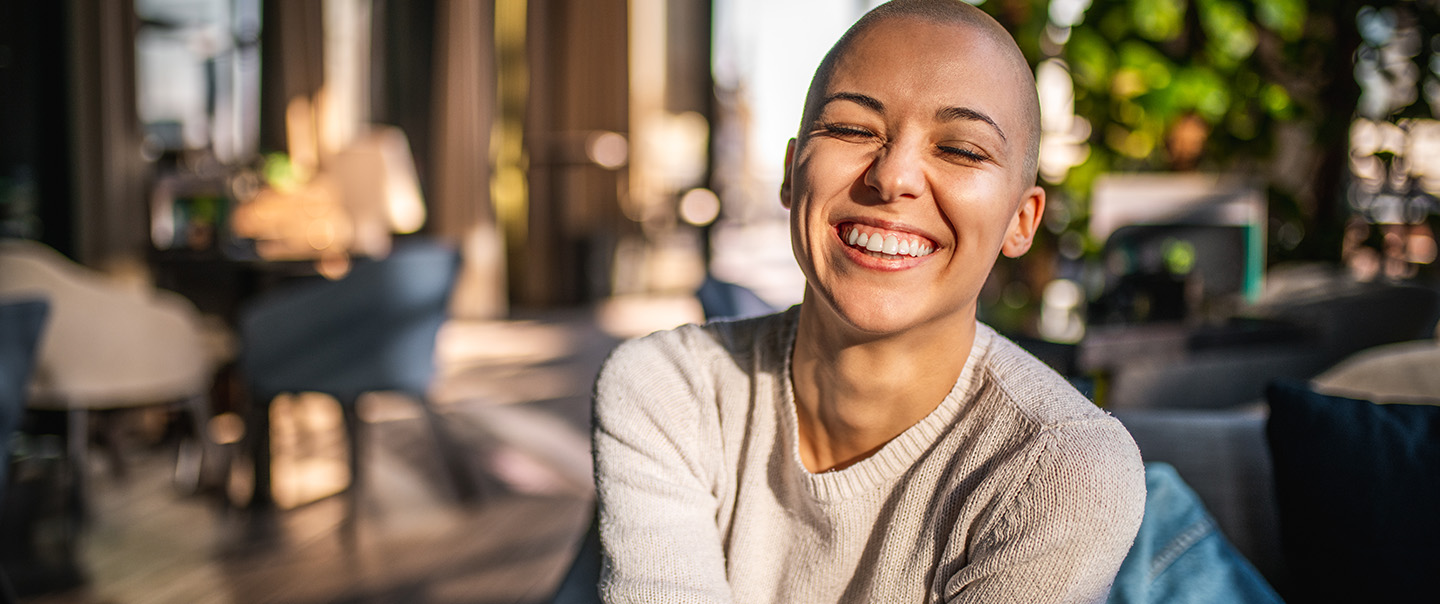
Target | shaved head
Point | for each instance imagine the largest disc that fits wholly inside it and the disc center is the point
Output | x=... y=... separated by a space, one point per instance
x=944 y=12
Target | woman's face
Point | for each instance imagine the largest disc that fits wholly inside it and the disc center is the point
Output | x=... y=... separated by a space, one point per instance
x=911 y=177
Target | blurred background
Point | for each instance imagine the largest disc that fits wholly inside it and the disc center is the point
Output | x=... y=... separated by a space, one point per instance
x=1239 y=190
x=579 y=153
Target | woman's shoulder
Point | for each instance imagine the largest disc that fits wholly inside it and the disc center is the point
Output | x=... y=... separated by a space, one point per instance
x=683 y=381
x=1034 y=389
x=1055 y=419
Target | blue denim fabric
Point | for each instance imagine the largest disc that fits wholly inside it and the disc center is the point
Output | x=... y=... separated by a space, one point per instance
x=1180 y=556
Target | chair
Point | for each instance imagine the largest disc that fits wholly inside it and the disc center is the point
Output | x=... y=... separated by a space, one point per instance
x=21 y=323
x=1390 y=372
x=373 y=330
x=726 y=300
x=108 y=345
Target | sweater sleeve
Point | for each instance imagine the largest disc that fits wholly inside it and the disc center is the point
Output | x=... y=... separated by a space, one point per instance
x=1062 y=532
x=656 y=507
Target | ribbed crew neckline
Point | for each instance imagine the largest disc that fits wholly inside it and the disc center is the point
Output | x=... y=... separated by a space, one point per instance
x=898 y=455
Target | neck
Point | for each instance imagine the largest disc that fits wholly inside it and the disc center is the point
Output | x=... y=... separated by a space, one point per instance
x=854 y=392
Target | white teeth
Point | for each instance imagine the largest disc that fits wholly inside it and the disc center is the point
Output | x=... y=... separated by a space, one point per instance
x=888 y=244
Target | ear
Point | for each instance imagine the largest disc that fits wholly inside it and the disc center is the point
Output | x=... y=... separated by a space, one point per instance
x=785 y=180
x=1021 y=232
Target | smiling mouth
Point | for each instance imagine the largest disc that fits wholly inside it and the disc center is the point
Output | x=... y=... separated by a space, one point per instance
x=882 y=243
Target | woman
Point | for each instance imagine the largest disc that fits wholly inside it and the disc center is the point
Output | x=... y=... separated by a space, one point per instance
x=874 y=443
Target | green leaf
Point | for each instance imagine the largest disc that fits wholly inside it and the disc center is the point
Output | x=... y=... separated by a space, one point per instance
x=1276 y=101
x=1229 y=30
x=1242 y=125
x=1091 y=60
x=1284 y=17
x=1201 y=89
x=1158 y=20
x=1150 y=67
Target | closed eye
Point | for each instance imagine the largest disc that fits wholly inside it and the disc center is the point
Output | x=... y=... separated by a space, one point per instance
x=964 y=154
x=845 y=131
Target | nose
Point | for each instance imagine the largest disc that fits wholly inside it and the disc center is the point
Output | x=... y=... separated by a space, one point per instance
x=897 y=172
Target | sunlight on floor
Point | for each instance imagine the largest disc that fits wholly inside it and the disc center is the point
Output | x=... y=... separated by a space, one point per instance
x=462 y=344
x=513 y=394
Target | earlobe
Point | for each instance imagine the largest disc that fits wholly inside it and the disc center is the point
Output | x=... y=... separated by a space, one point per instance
x=1024 y=224
x=785 y=180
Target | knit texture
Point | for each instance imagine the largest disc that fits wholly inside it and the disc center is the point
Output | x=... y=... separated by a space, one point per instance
x=1015 y=489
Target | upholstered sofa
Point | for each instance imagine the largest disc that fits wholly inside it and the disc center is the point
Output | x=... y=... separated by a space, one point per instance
x=1316 y=484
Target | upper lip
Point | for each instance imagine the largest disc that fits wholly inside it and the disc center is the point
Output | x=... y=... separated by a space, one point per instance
x=889 y=226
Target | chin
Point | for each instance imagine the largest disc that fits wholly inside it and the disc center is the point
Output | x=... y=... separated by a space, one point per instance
x=879 y=316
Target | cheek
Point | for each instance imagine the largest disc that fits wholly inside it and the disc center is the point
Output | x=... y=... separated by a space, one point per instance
x=818 y=185
x=980 y=220
x=829 y=167
x=805 y=231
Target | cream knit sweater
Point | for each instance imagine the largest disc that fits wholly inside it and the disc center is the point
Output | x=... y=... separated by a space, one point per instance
x=1015 y=489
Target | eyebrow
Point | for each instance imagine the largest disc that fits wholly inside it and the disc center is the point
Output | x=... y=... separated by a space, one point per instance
x=866 y=101
x=948 y=114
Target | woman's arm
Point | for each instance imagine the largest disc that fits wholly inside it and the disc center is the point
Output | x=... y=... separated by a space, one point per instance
x=654 y=467
x=1062 y=533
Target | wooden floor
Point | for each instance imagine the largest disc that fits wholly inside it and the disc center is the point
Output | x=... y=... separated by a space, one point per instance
x=515 y=393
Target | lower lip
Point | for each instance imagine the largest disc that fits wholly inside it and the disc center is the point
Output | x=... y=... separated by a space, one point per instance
x=863 y=258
